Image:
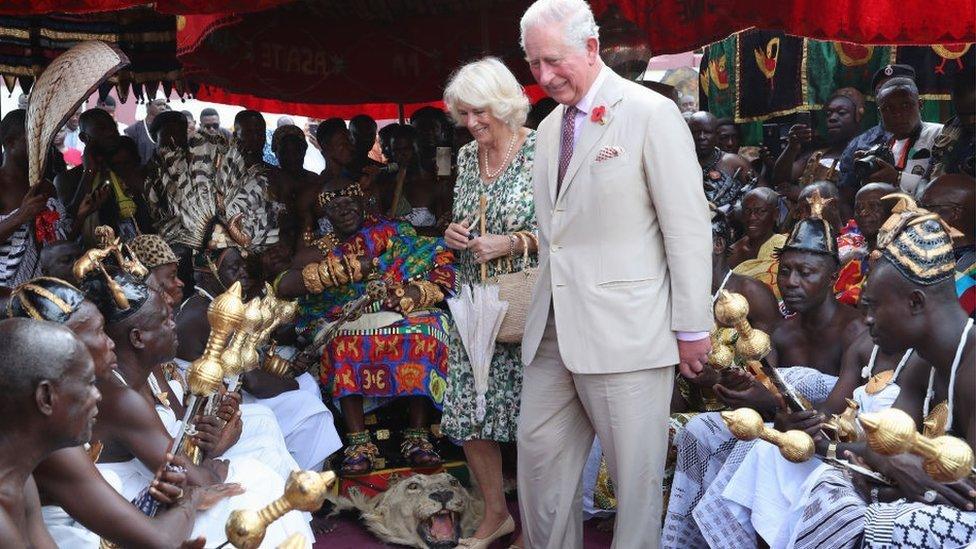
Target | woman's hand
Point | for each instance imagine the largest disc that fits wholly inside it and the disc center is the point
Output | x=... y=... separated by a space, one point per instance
x=489 y=246
x=457 y=235
x=799 y=134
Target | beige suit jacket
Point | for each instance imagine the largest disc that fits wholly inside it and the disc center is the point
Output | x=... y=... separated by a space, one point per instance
x=625 y=248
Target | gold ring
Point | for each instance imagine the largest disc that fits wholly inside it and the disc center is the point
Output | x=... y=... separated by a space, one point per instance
x=180 y=495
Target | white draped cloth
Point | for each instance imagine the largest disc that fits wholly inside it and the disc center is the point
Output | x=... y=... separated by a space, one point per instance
x=303 y=419
x=262 y=485
x=261 y=438
x=307 y=424
x=66 y=531
x=708 y=455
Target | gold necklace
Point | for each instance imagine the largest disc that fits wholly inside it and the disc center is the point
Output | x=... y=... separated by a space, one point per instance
x=504 y=164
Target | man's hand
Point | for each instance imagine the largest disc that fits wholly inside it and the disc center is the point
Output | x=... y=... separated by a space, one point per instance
x=906 y=471
x=168 y=485
x=756 y=397
x=886 y=174
x=92 y=202
x=808 y=421
x=213 y=494
x=799 y=134
x=229 y=405
x=692 y=356
x=33 y=202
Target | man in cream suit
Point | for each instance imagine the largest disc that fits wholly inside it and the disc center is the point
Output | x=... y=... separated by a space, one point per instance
x=623 y=293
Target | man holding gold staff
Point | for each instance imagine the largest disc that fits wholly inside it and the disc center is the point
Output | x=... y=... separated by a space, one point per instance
x=137 y=430
x=399 y=347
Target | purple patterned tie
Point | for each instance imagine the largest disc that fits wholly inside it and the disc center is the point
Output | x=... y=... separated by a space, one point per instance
x=566 y=144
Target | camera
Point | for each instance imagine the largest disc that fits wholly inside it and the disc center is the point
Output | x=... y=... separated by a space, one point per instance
x=869 y=163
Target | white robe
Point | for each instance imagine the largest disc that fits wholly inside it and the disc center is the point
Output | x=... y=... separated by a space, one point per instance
x=304 y=421
x=262 y=485
x=765 y=492
x=261 y=438
x=66 y=531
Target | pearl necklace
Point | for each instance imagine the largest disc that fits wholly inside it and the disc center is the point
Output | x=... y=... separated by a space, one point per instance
x=504 y=164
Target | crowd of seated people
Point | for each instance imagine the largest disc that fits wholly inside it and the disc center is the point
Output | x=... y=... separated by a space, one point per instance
x=855 y=251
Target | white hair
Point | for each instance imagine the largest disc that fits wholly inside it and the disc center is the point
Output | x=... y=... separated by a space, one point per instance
x=487 y=84
x=577 y=19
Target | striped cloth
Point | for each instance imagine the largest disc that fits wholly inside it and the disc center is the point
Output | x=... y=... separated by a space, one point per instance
x=19 y=254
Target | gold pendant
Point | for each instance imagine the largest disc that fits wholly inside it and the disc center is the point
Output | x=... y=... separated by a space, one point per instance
x=879 y=381
x=162 y=397
x=934 y=424
x=95 y=450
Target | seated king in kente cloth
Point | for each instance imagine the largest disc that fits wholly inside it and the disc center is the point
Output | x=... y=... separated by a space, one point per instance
x=398 y=348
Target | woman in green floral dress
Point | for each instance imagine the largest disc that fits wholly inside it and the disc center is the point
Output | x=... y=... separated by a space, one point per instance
x=485 y=97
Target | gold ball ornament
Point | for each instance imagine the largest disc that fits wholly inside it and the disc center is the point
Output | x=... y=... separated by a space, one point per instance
x=796 y=446
x=889 y=432
x=952 y=460
x=753 y=345
x=743 y=423
x=731 y=308
x=721 y=356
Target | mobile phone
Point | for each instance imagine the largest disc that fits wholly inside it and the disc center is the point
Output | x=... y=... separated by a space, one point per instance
x=443 y=159
x=772 y=139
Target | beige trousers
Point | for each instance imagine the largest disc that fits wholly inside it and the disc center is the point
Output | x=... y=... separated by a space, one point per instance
x=560 y=413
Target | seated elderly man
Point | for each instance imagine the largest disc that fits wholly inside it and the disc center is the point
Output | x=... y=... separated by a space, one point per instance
x=302 y=418
x=79 y=503
x=138 y=421
x=50 y=391
x=399 y=348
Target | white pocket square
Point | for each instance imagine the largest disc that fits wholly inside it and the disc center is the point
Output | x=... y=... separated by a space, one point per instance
x=608 y=152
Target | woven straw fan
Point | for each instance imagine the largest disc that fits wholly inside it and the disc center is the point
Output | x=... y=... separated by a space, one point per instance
x=70 y=79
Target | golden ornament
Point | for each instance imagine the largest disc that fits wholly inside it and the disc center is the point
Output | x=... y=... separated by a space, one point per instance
x=892 y=431
x=304 y=491
x=747 y=424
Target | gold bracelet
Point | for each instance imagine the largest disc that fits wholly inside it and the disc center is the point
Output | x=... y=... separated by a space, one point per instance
x=338 y=271
x=325 y=275
x=354 y=268
x=310 y=277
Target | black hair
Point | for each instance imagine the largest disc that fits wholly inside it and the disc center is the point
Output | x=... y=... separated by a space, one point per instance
x=247 y=114
x=13 y=125
x=327 y=129
x=91 y=116
x=209 y=111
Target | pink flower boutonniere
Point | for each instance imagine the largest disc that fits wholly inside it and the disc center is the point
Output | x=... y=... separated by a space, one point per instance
x=597 y=114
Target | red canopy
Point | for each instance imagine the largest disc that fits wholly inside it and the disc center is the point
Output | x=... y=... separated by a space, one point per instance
x=331 y=58
x=44 y=7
